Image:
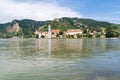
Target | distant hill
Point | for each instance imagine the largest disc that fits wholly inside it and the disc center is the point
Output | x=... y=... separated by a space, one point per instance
x=75 y=23
x=27 y=27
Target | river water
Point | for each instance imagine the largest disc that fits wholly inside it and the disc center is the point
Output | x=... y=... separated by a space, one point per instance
x=59 y=59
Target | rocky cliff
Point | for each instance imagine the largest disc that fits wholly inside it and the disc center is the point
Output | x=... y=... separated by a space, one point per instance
x=14 y=27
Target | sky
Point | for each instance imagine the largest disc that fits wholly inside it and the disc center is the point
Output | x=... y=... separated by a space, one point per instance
x=41 y=10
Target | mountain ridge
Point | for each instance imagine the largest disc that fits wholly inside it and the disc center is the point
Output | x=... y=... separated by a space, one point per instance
x=28 y=26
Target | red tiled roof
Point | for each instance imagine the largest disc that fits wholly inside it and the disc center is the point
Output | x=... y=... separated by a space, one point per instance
x=74 y=30
x=55 y=31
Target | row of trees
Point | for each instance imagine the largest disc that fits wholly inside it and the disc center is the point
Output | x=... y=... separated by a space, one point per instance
x=87 y=32
x=113 y=32
x=91 y=28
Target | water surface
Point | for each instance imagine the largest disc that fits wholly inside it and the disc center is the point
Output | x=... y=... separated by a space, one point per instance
x=59 y=59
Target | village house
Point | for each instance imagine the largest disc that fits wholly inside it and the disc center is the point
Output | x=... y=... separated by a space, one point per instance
x=73 y=32
x=54 y=33
x=41 y=34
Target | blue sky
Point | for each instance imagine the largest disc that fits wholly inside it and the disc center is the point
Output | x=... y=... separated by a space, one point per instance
x=102 y=10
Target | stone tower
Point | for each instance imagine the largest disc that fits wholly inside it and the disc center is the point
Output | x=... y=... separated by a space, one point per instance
x=49 y=31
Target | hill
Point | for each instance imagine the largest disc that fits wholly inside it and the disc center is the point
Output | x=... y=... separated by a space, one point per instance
x=26 y=27
x=75 y=23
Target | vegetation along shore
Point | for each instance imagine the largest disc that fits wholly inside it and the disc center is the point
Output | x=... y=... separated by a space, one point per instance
x=60 y=28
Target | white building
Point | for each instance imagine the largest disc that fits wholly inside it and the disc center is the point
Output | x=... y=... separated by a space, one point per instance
x=49 y=31
x=73 y=31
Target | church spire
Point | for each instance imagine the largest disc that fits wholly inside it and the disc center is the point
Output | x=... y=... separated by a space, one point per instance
x=49 y=31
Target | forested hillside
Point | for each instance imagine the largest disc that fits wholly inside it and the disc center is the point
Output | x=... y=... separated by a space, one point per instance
x=27 y=27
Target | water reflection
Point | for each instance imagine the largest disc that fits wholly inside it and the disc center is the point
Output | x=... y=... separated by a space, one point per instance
x=59 y=48
x=62 y=59
x=54 y=49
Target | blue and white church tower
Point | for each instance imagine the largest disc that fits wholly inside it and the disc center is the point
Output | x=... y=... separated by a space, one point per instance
x=49 y=31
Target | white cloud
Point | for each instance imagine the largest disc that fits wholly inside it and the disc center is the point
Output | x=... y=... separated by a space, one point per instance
x=10 y=10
